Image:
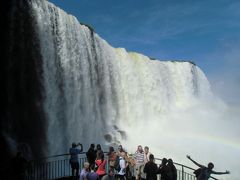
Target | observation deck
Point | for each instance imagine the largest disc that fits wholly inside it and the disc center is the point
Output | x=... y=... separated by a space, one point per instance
x=57 y=167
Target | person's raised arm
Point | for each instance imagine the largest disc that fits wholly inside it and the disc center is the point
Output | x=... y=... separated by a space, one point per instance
x=199 y=165
x=81 y=147
x=226 y=172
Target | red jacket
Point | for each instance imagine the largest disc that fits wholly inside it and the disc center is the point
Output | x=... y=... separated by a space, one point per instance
x=101 y=166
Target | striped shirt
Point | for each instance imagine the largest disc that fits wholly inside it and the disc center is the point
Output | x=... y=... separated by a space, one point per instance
x=139 y=157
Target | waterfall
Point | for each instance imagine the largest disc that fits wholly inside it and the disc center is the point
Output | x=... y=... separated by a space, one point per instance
x=80 y=100
x=94 y=92
x=66 y=84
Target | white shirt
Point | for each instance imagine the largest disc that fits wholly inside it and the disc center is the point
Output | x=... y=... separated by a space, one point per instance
x=146 y=157
x=122 y=164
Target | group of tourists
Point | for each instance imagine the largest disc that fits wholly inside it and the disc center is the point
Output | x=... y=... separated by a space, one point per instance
x=122 y=165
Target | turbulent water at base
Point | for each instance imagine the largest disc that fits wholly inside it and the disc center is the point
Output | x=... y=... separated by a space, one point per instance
x=94 y=93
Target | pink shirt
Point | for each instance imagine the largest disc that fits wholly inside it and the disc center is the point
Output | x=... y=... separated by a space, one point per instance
x=101 y=166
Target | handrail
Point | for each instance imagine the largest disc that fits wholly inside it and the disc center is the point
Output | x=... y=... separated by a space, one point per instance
x=59 y=155
x=178 y=164
x=184 y=166
x=57 y=166
x=48 y=157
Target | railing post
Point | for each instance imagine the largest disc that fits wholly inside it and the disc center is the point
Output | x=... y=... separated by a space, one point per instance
x=107 y=168
x=182 y=173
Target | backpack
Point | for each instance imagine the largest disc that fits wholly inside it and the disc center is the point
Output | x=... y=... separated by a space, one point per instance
x=117 y=164
x=198 y=171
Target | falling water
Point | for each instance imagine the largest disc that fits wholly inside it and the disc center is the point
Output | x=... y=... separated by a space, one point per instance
x=94 y=90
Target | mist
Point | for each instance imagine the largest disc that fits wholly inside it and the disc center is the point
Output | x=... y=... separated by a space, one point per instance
x=206 y=128
x=208 y=131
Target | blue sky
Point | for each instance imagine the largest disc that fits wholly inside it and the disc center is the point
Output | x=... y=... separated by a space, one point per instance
x=206 y=32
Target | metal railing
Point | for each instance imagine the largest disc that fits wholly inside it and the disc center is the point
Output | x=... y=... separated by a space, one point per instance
x=183 y=172
x=53 y=167
x=58 y=166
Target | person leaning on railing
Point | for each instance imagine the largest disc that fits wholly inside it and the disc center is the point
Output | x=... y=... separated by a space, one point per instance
x=205 y=172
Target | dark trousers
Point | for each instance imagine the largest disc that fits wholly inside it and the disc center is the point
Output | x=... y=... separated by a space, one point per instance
x=75 y=166
x=120 y=177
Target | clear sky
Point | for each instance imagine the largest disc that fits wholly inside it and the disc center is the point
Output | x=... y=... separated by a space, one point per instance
x=206 y=32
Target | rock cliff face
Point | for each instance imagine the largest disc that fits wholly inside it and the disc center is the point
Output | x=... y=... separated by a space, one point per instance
x=22 y=117
x=63 y=83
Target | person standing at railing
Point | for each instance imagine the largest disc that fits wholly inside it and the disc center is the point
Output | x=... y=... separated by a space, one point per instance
x=120 y=153
x=205 y=172
x=99 y=151
x=112 y=156
x=146 y=154
x=120 y=150
x=122 y=163
x=173 y=170
x=151 y=169
x=164 y=170
x=91 y=156
x=74 y=151
x=139 y=158
x=146 y=159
